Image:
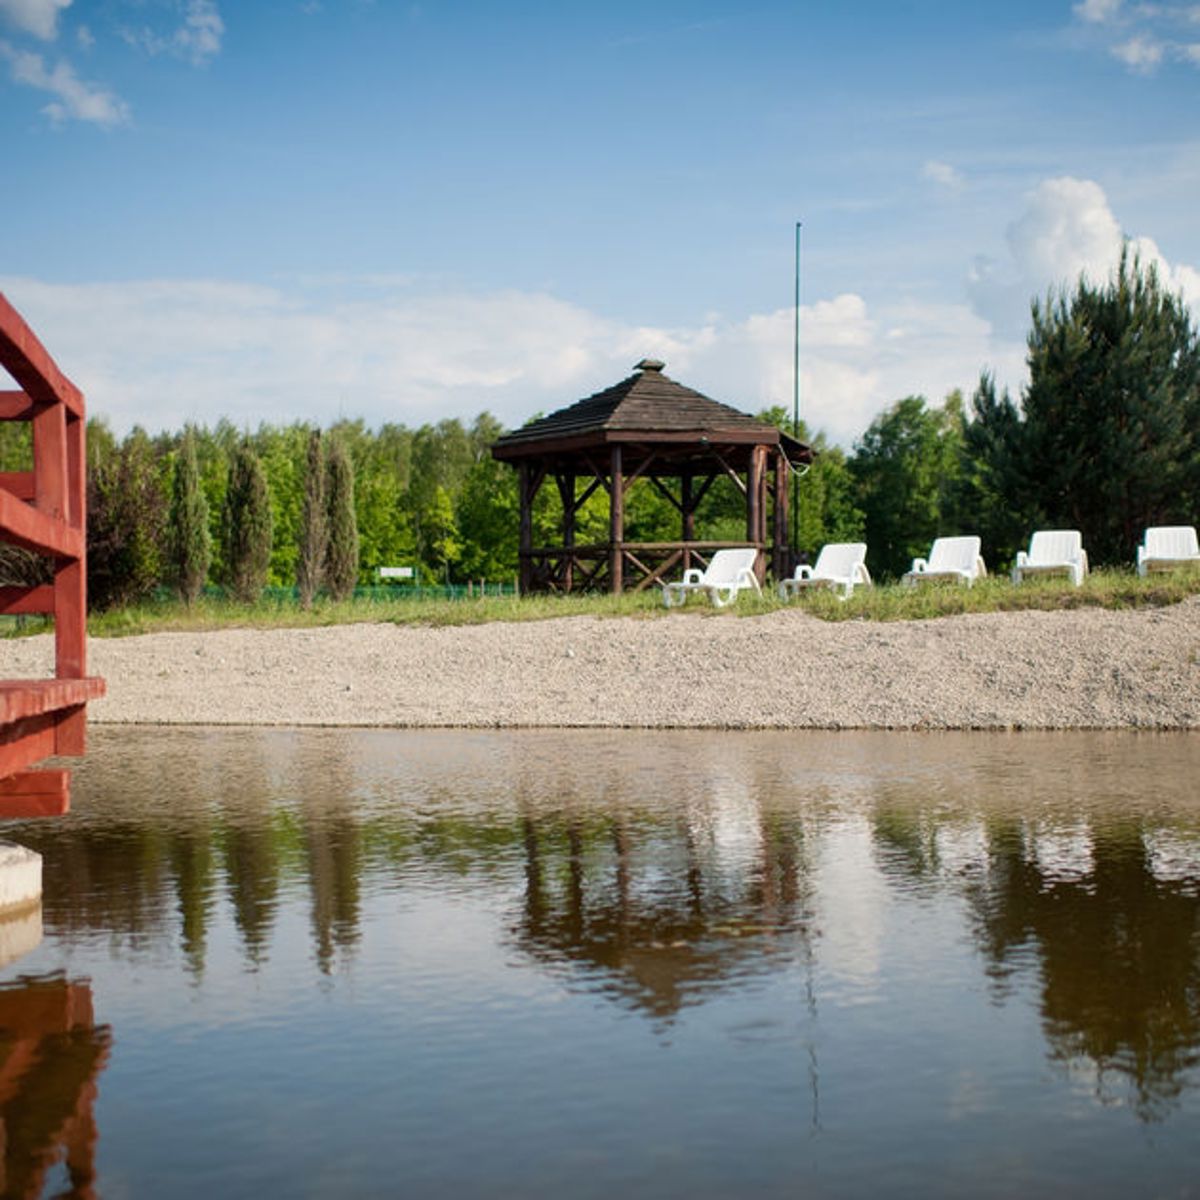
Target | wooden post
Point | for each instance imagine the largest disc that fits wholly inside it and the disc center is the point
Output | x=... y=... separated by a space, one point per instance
x=780 y=532
x=764 y=456
x=616 y=522
x=755 y=526
x=689 y=516
x=566 y=492
x=49 y=428
x=752 y=496
x=525 y=538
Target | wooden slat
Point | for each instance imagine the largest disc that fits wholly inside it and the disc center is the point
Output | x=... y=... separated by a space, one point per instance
x=17 y=600
x=21 y=698
x=25 y=742
x=19 y=483
x=45 y=793
x=70 y=620
x=15 y=406
x=50 y=461
x=32 y=530
x=30 y=364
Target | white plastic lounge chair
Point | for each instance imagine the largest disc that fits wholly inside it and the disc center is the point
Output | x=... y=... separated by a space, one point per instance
x=1051 y=552
x=1165 y=547
x=950 y=558
x=839 y=565
x=729 y=572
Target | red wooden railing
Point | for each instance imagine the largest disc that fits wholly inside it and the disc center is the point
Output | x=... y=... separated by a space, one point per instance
x=43 y=510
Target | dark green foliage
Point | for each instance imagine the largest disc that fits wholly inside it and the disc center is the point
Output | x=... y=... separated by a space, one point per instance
x=994 y=496
x=1111 y=411
x=341 y=557
x=126 y=507
x=487 y=511
x=906 y=469
x=314 y=524
x=189 y=543
x=246 y=523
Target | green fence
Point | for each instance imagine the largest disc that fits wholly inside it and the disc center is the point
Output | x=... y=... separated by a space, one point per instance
x=379 y=593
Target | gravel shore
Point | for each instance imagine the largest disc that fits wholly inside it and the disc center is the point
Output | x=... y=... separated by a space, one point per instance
x=1036 y=670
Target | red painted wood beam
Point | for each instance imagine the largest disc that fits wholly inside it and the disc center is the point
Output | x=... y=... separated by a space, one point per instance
x=15 y=406
x=33 y=530
x=45 y=793
x=20 y=698
x=28 y=741
x=20 y=483
x=16 y=600
x=30 y=364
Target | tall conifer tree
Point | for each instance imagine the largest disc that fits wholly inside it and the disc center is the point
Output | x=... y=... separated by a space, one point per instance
x=341 y=560
x=247 y=525
x=189 y=543
x=314 y=524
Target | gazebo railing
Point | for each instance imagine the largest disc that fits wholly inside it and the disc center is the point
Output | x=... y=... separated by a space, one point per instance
x=589 y=568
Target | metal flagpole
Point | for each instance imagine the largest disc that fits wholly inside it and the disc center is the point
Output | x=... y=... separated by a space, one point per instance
x=796 y=406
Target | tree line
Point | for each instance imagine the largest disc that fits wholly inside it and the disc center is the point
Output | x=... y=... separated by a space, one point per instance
x=1103 y=439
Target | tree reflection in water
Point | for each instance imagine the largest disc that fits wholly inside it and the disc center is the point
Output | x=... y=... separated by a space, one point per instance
x=664 y=867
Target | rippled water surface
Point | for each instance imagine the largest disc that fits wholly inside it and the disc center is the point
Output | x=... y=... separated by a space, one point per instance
x=388 y=963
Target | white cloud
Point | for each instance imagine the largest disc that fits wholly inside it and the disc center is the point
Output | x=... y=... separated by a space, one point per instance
x=74 y=98
x=38 y=17
x=1067 y=230
x=167 y=352
x=197 y=38
x=1150 y=34
x=944 y=175
x=1098 y=12
x=1140 y=53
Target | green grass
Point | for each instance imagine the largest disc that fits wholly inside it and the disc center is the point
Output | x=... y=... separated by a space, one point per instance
x=1102 y=589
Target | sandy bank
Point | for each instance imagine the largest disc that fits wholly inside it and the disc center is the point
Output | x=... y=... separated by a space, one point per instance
x=1087 y=669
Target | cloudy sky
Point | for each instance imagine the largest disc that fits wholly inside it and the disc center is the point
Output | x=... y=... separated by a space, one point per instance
x=312 y=209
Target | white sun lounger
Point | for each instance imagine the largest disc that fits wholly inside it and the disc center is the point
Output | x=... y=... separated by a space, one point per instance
x=729 y=572
x=1165 y=547
x=956 y=559
x=840 y=565
x=1053 y=552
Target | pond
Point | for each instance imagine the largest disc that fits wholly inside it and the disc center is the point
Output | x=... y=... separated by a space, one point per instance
x=653 y=964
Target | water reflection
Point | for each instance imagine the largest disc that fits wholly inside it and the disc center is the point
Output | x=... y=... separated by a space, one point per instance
x=51 y=1054
x=661 y=913
x=884 y=880
x=1118 y=945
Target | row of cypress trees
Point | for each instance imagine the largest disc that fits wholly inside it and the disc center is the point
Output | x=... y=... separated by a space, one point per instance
x=328 y=549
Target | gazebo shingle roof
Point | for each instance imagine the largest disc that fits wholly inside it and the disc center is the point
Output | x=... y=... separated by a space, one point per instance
x=646 y=402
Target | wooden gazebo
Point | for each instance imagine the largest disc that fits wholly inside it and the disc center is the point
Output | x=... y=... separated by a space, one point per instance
x=647 y=427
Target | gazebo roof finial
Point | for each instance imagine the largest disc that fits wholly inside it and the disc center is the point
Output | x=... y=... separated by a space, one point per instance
x=650 y=364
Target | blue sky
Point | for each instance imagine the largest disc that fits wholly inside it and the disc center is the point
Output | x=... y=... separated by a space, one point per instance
x=309 y=209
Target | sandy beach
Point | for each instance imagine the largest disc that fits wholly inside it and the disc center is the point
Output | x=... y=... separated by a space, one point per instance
x=1035 y=670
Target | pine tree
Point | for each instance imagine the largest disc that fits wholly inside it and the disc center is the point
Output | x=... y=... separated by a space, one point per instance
x=189 y=544
x=246 y=519
x=1112 y=410
x=314 y=524
x=341 y=560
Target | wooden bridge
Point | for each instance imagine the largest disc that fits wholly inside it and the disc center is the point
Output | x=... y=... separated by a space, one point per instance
x=42 y=510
